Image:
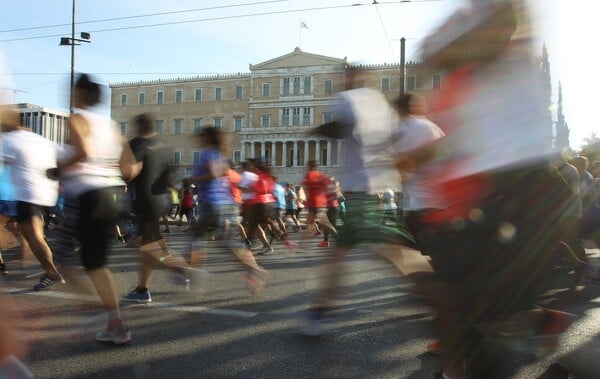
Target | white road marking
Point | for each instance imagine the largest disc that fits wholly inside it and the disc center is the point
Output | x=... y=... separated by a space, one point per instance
x=169 y=306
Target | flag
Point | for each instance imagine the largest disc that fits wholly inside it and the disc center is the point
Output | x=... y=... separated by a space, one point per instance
x=303 y=25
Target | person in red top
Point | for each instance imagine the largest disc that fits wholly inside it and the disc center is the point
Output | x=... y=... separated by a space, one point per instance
x=261 y=206
x=187 y=202
x=315 y=183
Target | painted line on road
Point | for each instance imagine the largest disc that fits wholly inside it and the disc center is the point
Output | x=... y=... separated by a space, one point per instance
x=169 y=306
x=34 y=274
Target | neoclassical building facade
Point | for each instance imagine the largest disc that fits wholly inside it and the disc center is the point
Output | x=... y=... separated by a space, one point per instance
x=264 y=113
x=47 y=122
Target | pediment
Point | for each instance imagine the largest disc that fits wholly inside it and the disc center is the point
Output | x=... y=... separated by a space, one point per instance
x=297 y=58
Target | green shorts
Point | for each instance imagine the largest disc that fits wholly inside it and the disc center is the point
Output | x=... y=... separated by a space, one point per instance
x=366 y=222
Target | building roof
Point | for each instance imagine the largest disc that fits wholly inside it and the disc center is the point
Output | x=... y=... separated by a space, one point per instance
x=298 y=58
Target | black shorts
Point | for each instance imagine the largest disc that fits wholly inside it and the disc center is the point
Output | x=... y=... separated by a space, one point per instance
x=148 y=229
x=290 y=212
x=259 y=214
x=26 y=211
x=98 y=213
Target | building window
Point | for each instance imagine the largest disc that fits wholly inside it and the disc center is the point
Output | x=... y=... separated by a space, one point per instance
x=123 y=127
x=237 y=124
x=296 y=116
x=306 y=116
x=178 y=96
x=285 y=117
x=196 y=157
x=296 y=85
x=124 y=100
x=327 y=117
x=198 y=94
x=328 y=86
x=286 y=86
x=239 y=92
x=177 y=157
x=265 y=120
x=188 y=172
x=159 y=126
x=307 y=85
x=178 y=126
x=237 y=157
x=160 y=97
x=411 y=83
x=218 y=93
x=197 y=125
x=141 y=98
x=385 y=84
x=437 y=82
x=218 y=122
x=266 y=89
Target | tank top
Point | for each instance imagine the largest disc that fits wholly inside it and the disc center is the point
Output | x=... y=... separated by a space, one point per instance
x=101 y=169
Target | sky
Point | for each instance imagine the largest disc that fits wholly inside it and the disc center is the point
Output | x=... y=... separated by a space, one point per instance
x=225 y=36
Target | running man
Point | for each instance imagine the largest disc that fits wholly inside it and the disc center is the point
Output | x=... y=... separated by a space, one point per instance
x=30 y=156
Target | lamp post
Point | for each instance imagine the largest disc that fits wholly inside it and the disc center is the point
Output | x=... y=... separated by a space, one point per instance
x=402 y=64
x=72 y=41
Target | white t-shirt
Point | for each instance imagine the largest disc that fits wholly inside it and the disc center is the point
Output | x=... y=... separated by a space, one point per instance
x=413 y=133
x=247 y=179
x=29 y=156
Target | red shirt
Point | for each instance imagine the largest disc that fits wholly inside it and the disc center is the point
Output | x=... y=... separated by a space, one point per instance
x=316 y=189
x=262 y=189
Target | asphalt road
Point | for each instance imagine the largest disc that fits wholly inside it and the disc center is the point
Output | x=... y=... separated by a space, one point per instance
x=380 y=329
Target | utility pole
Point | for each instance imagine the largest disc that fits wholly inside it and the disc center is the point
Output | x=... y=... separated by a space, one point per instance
x=72 y=60
x=72 y=41
x=402 y=64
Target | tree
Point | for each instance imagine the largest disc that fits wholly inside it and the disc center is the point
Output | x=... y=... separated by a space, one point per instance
x=544 y=66
x=562 y=128
x=591 y=147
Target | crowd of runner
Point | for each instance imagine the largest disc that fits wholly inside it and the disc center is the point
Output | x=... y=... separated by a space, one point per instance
x=449 y=194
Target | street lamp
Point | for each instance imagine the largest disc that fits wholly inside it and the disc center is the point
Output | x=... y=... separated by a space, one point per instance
x=72 y=41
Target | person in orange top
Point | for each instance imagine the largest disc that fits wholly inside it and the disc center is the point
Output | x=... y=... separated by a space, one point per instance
x=316 y=184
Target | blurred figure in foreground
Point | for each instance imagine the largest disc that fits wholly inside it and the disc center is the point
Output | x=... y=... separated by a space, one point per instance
x=29 y=156
x=365 y=120
x=91 y=175
x=493 y=257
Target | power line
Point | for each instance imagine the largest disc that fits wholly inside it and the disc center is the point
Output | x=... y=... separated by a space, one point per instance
x=220 y=18
x=142 y=15
x=383 y=27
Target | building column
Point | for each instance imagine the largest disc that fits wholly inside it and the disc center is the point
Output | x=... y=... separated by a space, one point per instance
x=339 y=153
x=273 y=153
x=295 y=155
x=243 y=152
x=318 y=152
x=284 y=154
x=329 y=163
x=305 y=161
x=262 y=149
x=252 y=150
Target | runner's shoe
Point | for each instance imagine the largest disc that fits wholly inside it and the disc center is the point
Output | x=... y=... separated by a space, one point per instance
x=3 y=270
x=196 y=278
x=434 y=347
x=137 y=296
x=267 y=250
x=323 y=244
x=45 y=283
x=118 y=336
x=255 y=280
x=290 y=245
